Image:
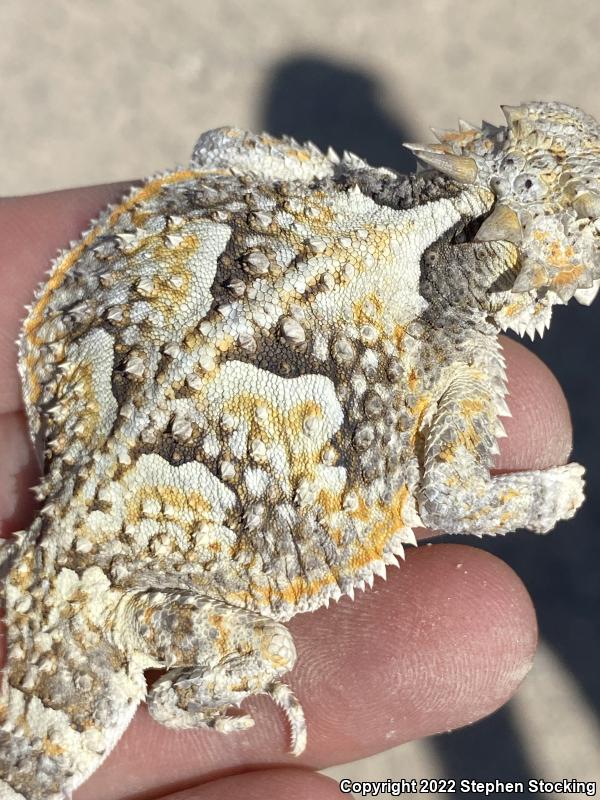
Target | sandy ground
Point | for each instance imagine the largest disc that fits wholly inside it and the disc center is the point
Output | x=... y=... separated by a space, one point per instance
x=94 y=92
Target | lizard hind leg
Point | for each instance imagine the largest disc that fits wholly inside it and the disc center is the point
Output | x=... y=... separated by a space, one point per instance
x=216 y=655
x=179 y=699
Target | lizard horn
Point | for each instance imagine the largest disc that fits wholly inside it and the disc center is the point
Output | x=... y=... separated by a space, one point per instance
x=460 y=168
x=502 y=223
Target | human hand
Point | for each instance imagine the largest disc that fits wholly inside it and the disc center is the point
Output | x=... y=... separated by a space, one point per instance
x=442 y=642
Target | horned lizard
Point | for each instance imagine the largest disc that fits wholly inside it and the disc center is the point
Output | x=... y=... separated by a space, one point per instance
x=250 y=381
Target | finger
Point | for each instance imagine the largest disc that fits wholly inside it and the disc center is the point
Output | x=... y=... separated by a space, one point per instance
x=444 y=641
x=291 y=784
x=539 y=433
x=18 y=473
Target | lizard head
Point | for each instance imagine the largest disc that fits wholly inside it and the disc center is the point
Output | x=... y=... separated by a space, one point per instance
x=543 y=167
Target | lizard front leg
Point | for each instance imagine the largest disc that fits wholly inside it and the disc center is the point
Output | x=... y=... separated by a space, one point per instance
x=457 y=492
x=216 y=655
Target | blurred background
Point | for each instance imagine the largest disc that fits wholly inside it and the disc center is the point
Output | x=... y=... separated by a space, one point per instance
x=93 y=92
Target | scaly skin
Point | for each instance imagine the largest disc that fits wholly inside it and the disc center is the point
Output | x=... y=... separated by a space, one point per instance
x=250 y=381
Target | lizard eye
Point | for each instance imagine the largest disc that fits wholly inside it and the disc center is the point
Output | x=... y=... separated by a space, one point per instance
x=528 y=188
